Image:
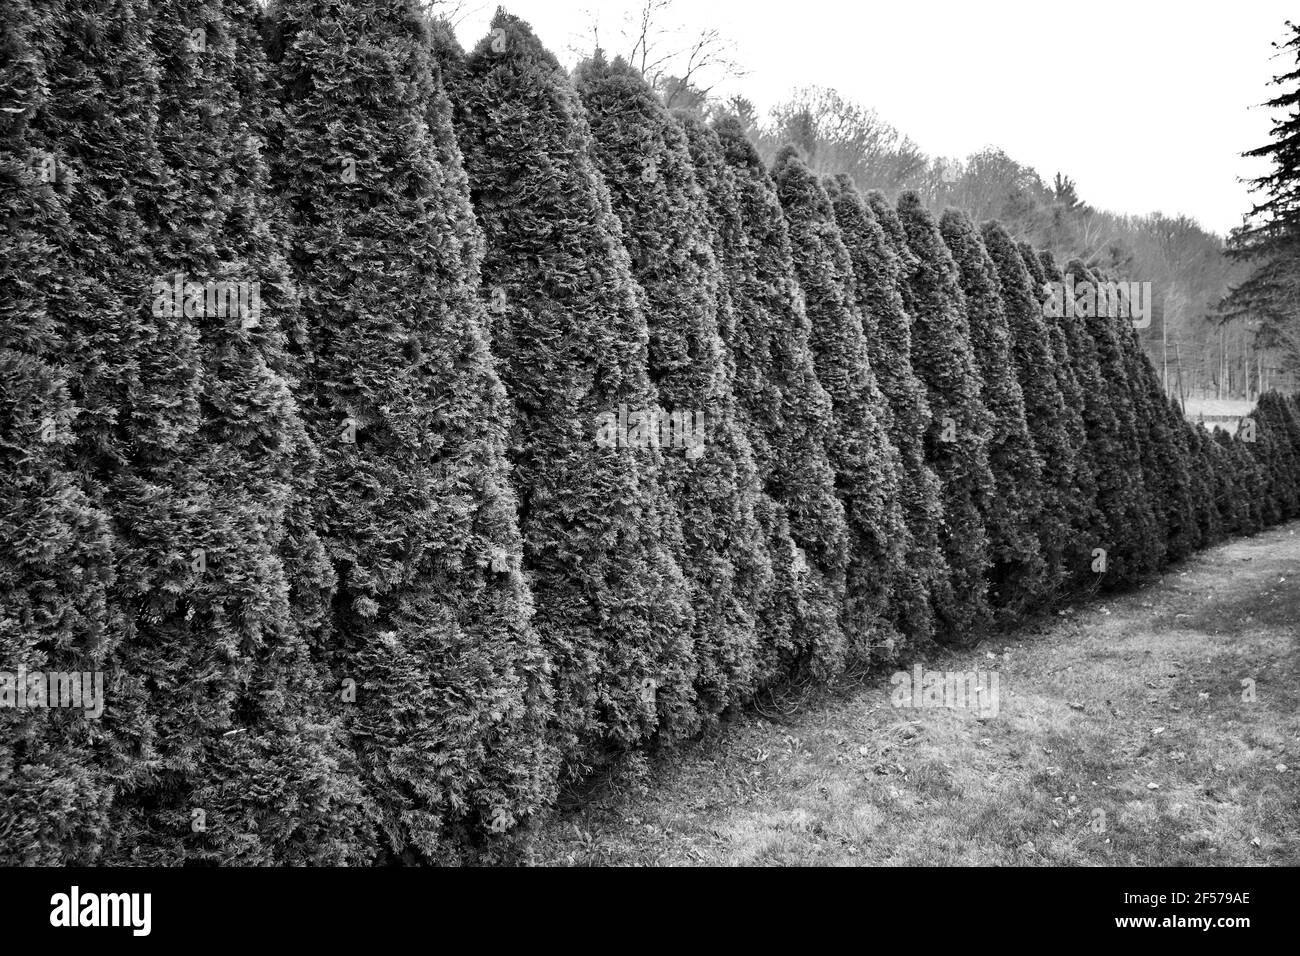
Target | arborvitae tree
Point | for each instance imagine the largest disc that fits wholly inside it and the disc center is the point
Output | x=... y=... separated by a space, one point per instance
x=641 y=152
x=1162 y=442
x=1285 y=414
x=310 y=572
x=1201 y=482
x=867 y=466
x=1182 y=432
x=54 y=791
x=200 y=508
x=1098 y=418
x=1247 y=484
x=877 y=270
x=1251 y=478
x=436 y=665
x=1140 y=544
x=1277 y=456
x=1035 y=366
x=1233 y=515
x=958 y=437
x=1292 y=417
x=56 y=778
x=887 y=216
x=1257 y=440
x=1085 y=516
x=1166 y=436
x=137 y=378
x=1192 y=524
x=1014 y=512
x=776 y=339
x=782 y=610
x=1166 y=453
x=571 y=336
x=1274 y=481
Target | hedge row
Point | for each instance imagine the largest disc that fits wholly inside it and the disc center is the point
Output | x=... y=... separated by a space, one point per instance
x=376 y=561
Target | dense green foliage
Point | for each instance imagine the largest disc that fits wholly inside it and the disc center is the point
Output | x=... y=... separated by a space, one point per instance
x=56 y=784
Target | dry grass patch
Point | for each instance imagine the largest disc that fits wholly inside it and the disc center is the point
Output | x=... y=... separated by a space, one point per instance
x=1122 y=738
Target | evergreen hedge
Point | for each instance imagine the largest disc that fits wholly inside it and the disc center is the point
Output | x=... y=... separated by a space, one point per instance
x=373 y=569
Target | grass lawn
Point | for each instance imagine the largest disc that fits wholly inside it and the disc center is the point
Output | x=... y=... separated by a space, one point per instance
x=1121 y=737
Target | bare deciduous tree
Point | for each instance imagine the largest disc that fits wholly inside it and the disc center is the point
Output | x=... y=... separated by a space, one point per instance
x=837 y=135
x=683 y=67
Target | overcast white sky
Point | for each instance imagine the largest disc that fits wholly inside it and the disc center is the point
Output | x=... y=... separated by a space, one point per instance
x=1147 y=104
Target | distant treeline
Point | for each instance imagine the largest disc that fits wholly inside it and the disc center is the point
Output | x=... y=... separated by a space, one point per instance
x=1197 y=345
